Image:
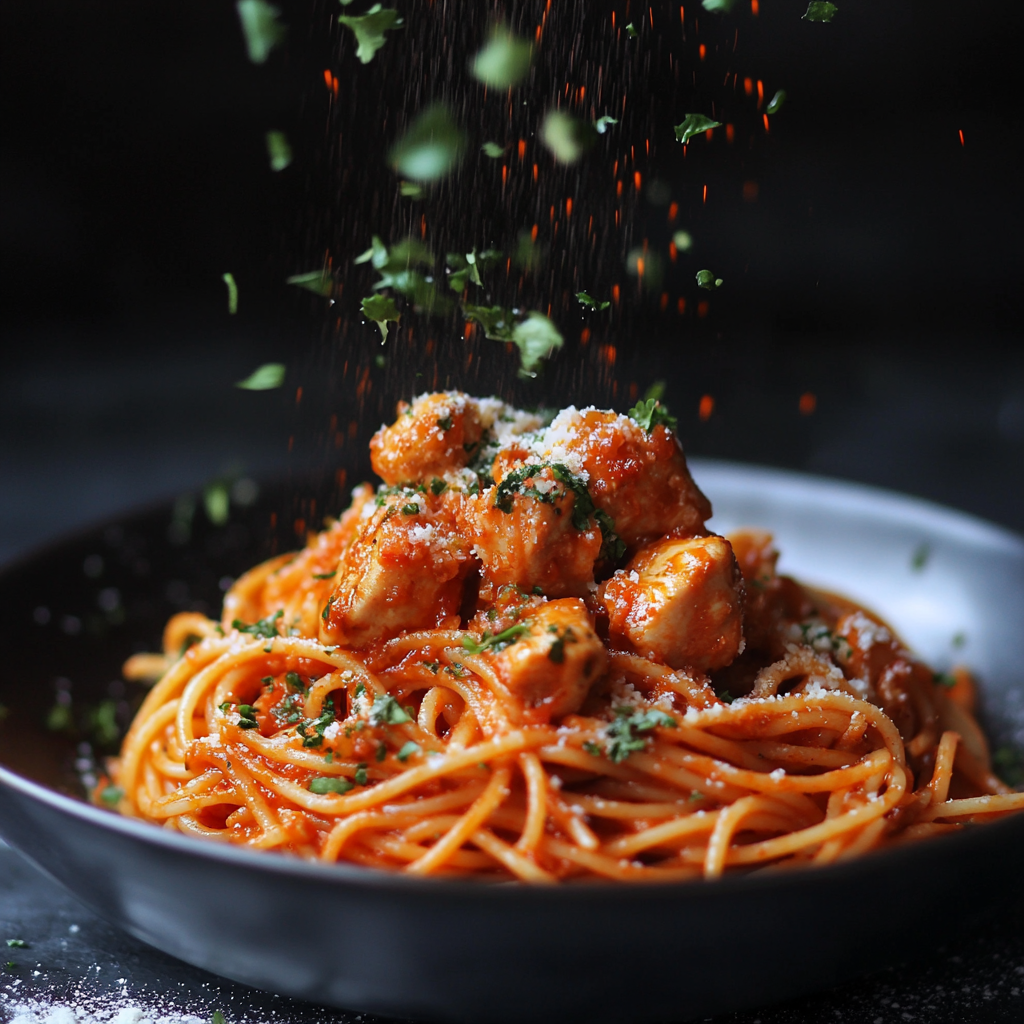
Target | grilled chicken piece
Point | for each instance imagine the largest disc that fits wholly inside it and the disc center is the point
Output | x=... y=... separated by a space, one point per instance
x=404 y=570
x=679 y=601
x=548 y=670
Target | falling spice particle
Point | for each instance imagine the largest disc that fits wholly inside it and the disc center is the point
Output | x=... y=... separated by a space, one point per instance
x=706 y=408
x=808 y=403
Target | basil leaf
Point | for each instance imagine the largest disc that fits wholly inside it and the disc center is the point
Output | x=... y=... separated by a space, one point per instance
x=264 y=378
x=694 y=124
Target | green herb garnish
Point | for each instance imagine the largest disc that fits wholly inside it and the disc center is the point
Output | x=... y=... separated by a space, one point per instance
x=586 y=300
x=775 y=103
x=387 y=711
x=818 y=11
x=264 y=378
x=408 y=749
x=625 y=734
x=504 y=61
x=649 y=413
x=329 y=784
x=266 y=628
x=279 y=150
x=325 y=575
x=602 y=124
x=319 y=282
x=382 y=311
x=567 y=138
x=261 y=28
x=497 y=641
x=17 y=943
x=556 y=652
x=229 y=280
x=493 y=150
x=694 y=124
x=318 y=725
x=431 y=147
x=919 y=559
x=707 y=280
x=111 y=796
x=369 y=29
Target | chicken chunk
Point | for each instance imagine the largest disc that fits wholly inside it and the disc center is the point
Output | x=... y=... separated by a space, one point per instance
x=638 y=478
x=532 y=536
x=548 y=670
x=679 y=601
x=404 y=570
x=435 y=435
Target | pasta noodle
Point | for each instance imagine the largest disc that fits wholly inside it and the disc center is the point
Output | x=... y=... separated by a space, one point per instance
x=525 y=657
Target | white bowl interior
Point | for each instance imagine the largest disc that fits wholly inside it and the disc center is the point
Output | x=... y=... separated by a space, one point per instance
x=950 y=584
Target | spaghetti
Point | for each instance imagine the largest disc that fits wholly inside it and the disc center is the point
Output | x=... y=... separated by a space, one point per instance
x=524 y=657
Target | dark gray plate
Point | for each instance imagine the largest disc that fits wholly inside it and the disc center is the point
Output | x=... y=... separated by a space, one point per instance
x=470 y=952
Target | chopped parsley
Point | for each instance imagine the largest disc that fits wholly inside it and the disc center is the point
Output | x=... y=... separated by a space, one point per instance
x=707 y=280
x=217 y=1018
x=556 y=652
x=567 y=138
x=942 y=679
x=437 y=485
x=624 y=735
x=266 y=628
x=592 y=748
x=327 y=609
x=325 y=575
x=775 y=103
x=408 y=749
x=317 y=725
x=649 y=413
x=723 y=6
x=493 y=150
x=410 y=190
x=279 y=150
x=261 y=28
x=229 y=280
x=504 y=61
x=431 y=147
x=537 y=338
x=361 y=777
x=694 y=124
x=247 y=717
x=602 y=124
x=369 y=29
x=111 y=796
x=387 y=711
x=818 y=11
x=586 y=300
x=725 y=696
x=631 y=30
x=17 y=943
x=497 y=641
x=323 y=785
x=382 y=311
x=434 y=666
x=294 y=680
x=264 y=378
x=410 y=510
x=446 y=423
x=382 y=752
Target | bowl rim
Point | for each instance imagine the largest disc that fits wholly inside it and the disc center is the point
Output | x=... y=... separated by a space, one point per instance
x=853 y=497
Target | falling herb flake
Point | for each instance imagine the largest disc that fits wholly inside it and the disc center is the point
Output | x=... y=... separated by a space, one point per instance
x=586 y=300
x=112 y=795
x=568 y=138
x=261 y=28
x=229 y=280
x=381 y=310
x=431 y=147
x=504 y=61
x=103 y=723
x=17 y=943
x=217 y=1018
x=682 y=240
x=496 y=321
x=369 y=29
x=708 y=281
x=919 y=559
x=387 y=711
x=493 y=150
x=217 y=502
x=775 y=103
x=718 y=6
x=59 y=718
x=279 y=150
x=694 y=124
x=602 y=124
x=264 y=378
x=319 y=282
x=818 y=11
x=537 y=338
x=631 y=31
x=410 y=190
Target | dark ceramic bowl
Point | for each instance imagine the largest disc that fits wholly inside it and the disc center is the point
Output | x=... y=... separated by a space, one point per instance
x=479 y=953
